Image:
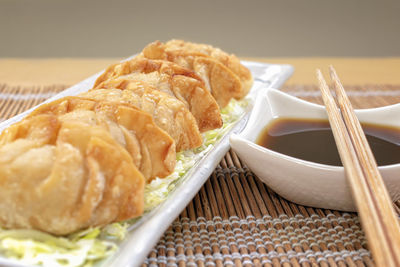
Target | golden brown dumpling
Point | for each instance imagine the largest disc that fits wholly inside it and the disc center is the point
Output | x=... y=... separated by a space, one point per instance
x=170 y=78
x=228 y=60
x=152 y=150
x=60 y=177
x=168 y=113
x=223 y=74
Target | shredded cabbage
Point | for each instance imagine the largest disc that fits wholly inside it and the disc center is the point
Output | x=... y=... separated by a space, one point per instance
x=37 y=248
x=88 y=246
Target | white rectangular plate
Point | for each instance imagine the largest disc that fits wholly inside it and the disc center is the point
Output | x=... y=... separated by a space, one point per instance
x=147 y=231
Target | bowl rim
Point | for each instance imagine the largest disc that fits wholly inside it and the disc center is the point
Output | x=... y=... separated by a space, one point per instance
x=266 y=95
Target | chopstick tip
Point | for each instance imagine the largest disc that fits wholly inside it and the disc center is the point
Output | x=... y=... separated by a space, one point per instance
x=333 y=73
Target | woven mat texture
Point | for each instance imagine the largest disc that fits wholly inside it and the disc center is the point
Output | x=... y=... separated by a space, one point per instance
x=235 y=219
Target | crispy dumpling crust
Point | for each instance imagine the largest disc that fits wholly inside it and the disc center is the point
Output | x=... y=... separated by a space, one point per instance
x=143 y=65
x=152 y=149
x=69 y=176
x=231 y=61
x=213 y=65
x=168 y=113
x=169 y=78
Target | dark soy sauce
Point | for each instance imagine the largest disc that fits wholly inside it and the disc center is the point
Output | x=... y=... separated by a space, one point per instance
x=313 y=140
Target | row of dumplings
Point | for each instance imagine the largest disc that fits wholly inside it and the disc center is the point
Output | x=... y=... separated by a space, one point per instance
x=83 y=161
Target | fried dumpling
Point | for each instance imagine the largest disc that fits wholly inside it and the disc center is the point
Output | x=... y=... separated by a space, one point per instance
x=169 y=78
x=168 y=113
x=229 y=60
x=222 y=73
x=60 y=177
x=152 y=149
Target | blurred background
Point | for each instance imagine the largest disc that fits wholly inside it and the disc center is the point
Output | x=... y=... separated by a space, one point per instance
x=253 y=28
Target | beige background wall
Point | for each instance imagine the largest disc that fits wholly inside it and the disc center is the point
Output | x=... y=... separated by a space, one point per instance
x=269 y=28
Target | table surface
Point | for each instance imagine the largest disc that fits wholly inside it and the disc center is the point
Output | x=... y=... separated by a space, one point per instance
x=46 y=71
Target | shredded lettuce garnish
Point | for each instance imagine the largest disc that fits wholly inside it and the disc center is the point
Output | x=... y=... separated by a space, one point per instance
x=88 y=246
x=37 y=248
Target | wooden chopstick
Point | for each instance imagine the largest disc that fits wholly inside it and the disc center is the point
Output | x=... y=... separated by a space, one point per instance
x=373 y=202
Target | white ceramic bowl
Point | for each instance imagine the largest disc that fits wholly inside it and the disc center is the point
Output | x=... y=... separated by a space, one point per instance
x=304 y=182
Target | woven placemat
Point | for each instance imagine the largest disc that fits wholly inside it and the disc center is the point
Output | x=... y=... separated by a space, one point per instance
x=237 y=220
